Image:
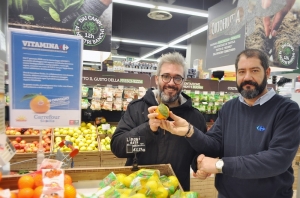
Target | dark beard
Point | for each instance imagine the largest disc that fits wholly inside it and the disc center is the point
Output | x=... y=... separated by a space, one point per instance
x=250 y=94
x=167 y=99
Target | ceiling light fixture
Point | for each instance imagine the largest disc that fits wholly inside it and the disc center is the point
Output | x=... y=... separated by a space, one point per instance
x=165 y=7
x=189 y=35
x=188 y=11
x=154 y=52
x=175 y=41
x=143 y=42
x=134 y=3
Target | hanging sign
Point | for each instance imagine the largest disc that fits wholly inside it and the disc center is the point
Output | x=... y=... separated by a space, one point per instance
x=45 y=72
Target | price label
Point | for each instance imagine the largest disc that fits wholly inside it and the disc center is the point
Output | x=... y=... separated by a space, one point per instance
x=105 y=126
x=135 y=144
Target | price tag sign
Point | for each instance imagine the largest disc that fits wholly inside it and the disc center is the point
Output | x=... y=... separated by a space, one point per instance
x=135 y=144
x=105 y=126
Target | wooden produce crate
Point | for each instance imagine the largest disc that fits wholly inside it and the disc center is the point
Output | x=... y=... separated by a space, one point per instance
x=83 y=159
x=23 y=160
x=88 y=174
x=205 y=188
x=295 y=165
x=86 y=159
x=108 y=159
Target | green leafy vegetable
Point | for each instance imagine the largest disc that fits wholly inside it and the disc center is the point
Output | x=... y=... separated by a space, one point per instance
x=59 y=7
x=27 y=17
x=54 y=14
x=18 y=6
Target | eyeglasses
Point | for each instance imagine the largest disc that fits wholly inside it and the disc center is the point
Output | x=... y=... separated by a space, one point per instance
x=176 y=79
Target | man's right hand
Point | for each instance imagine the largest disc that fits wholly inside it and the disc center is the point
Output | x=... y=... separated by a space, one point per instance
x=153 y=122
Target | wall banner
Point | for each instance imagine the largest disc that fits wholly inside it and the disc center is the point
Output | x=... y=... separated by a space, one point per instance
x=89 y=19
x=237 y=25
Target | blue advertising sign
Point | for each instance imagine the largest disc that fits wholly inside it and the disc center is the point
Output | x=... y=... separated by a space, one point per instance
x=45 y=72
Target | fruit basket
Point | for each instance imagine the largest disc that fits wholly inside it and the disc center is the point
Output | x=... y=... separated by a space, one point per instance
x=88 y=145
x=205 y=188
x=91 y=174
x=26 y=150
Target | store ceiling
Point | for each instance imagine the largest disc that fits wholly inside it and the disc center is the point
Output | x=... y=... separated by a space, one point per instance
x=132 y=22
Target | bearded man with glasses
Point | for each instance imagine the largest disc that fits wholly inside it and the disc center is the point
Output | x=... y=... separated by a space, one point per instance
x=140 y=120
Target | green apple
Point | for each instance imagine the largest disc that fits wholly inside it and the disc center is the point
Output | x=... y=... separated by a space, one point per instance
x=103 y=148
x=77 y=141
x=56 y=129
x=80 y=144
x=68 y=137
x=75 y=135
x=83 y=124
x=107 y=147
x=83 y=148
x=73 y=139
x=89 y=141
x=90 y=149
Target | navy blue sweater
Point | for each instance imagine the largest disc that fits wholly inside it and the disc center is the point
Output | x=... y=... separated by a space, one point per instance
x=257 y=145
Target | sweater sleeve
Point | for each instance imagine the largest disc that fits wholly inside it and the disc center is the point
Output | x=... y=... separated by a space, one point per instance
x=209 y=143
x=127 y=128
x=280 y=153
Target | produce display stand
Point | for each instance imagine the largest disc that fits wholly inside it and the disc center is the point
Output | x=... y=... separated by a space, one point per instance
x=89 y=174
x=108 y=159
x=26 y=161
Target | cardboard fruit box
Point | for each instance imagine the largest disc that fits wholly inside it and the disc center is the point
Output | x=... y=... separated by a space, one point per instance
x=91 y=174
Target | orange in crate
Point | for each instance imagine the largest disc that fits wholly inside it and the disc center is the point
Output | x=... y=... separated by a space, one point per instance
x=67 y=179
x=38 y=192
x=38 y=180
x=13 y=195
x=25 y=193
x=26 y=181
x=70 y=191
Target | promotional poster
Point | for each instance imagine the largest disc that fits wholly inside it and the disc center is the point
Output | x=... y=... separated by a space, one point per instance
x=45 y=79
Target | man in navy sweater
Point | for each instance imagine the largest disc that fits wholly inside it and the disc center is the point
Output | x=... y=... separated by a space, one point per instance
x=253 y=142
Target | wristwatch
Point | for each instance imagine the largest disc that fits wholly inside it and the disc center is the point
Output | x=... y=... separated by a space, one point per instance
x=219 y=165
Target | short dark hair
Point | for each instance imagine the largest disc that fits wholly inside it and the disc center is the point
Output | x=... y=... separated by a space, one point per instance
x=249 y=53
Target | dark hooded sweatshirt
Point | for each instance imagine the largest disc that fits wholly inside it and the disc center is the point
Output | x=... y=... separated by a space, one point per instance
x=161 y=147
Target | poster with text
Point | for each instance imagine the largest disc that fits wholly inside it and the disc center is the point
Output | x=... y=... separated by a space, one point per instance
x=222 y=45
x=90 y=19
x=45 y=71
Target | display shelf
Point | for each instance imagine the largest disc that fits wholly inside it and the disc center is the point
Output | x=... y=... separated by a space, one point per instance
x=89 y=174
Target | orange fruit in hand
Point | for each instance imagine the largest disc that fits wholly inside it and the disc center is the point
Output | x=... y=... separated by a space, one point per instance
x=40 y=104
x=38 y=180
x=70 y=191
x=163 y=112
x=25 y=193
x=26 y=181
x=38 y=192
x=67 y=179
